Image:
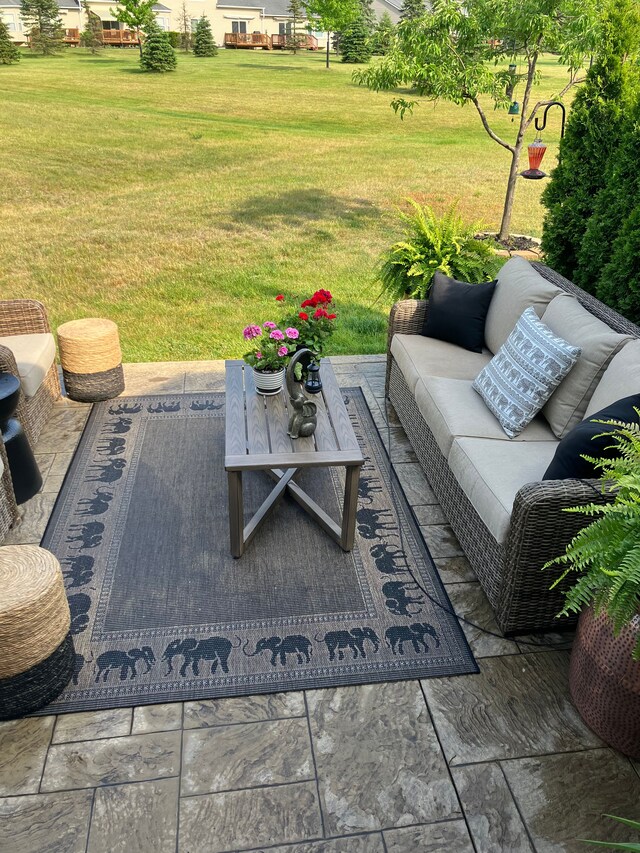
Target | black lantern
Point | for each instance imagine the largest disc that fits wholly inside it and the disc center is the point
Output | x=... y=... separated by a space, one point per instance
x=313 y=383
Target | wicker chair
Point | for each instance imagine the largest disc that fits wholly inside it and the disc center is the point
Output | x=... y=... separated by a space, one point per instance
x=24 y=317
x=8 y=507
x=509 y=572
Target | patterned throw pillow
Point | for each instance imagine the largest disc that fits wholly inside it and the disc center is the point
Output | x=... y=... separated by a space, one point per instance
x=524 y=373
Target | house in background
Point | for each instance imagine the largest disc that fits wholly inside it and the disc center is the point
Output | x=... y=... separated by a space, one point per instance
x=243 y=18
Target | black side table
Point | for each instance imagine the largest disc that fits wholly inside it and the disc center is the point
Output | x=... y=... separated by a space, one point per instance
x=25 y=473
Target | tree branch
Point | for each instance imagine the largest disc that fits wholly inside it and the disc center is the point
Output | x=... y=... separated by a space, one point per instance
x=483 y=118
x=574 y=81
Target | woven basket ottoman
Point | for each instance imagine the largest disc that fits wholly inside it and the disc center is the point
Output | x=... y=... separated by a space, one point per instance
x=37 y=658
x=91 y=359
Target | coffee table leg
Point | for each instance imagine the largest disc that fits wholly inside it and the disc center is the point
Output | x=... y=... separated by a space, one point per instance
x=352 y=479
x=236 y=512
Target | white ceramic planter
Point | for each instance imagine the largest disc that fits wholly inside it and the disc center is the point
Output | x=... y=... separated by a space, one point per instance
x=268 y=382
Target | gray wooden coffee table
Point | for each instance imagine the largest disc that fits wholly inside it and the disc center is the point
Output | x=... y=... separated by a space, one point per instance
x=257 y=440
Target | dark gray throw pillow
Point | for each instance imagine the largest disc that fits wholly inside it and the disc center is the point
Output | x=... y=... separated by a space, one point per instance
x=586 y=438
x=457 y=311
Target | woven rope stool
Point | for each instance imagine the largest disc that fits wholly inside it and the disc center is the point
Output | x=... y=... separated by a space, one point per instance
x=91 y=359
x=37 y=657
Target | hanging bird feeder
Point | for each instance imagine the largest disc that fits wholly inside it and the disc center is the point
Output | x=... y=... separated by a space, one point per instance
x=537 y=148
x=536 y=153
x=514 y=109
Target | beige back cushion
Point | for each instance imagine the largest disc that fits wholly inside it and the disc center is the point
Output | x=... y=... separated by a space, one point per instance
x=620 y=379
x=568 y=404
x=519 y=286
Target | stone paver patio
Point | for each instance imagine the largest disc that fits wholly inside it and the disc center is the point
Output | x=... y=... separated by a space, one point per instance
x=498 y=761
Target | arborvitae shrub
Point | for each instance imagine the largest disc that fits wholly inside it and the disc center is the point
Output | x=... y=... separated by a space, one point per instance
x=592 y=134
x=619 y=283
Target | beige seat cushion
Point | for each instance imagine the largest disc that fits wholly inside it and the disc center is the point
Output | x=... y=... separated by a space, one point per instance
x=620 y=379
x=452 y=409
x=567 y=318
x=519 y=286
x=418 y=356
x=491 y=473
x=34 y=355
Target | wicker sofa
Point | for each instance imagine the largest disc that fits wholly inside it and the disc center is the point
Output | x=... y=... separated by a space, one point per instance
x=463 y=451
x=27 y=350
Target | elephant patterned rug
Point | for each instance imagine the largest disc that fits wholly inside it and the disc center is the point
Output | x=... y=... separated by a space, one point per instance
x=162 y=612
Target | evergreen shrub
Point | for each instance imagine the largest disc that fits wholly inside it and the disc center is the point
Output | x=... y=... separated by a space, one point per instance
x=354 y=42
x=9 y=53
x=157 y=54
x=203 y=41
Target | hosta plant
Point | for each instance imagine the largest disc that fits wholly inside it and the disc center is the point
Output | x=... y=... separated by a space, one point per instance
x=433 y=243
x=606 y=554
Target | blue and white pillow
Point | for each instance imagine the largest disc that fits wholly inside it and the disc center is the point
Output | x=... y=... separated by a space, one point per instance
x=525 y=372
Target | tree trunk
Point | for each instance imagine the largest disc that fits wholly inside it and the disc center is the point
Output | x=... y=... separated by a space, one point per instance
x=139 y=41
x=511 y=192
x=328 y=43
x=515 y=154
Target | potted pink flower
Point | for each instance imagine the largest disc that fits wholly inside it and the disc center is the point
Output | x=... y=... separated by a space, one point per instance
x=272 y=348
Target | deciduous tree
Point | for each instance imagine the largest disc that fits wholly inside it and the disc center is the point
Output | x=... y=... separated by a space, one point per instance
x=184 y=26
x=332 y=15
x=369 y=15
x=136 y=14
x=203 y=42
x=412 y=9
x=295 y=38
x=459 y=51
x=9 y=53
x=92 y=34
x=43 y=25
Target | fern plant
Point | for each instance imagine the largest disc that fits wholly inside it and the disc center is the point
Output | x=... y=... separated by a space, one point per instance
x=606 y=554
x=435 y=243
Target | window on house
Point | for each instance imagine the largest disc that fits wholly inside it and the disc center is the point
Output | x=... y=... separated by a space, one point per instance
x=163 y=23
x=9 y=21
x=111 y=25
x=194 y=24
x=238 y=26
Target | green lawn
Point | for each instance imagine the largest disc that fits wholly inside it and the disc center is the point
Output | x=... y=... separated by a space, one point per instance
x=179 y=205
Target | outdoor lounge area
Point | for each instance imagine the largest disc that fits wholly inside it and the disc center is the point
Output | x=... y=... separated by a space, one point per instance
x=493 y=760
x=320 y=426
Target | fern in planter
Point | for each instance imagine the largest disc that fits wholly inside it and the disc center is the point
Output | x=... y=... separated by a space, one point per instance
x=431 y=243
x=606 y=554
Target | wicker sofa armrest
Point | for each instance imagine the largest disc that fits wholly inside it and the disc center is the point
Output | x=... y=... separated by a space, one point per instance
x=23 y=317
x=406 y=318
x=540 y=531
x=8 y=361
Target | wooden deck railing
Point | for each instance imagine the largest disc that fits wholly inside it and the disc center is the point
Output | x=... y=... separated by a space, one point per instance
x=111 y=37
x=120 y=37
x=248 y=40
x=305 y=41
